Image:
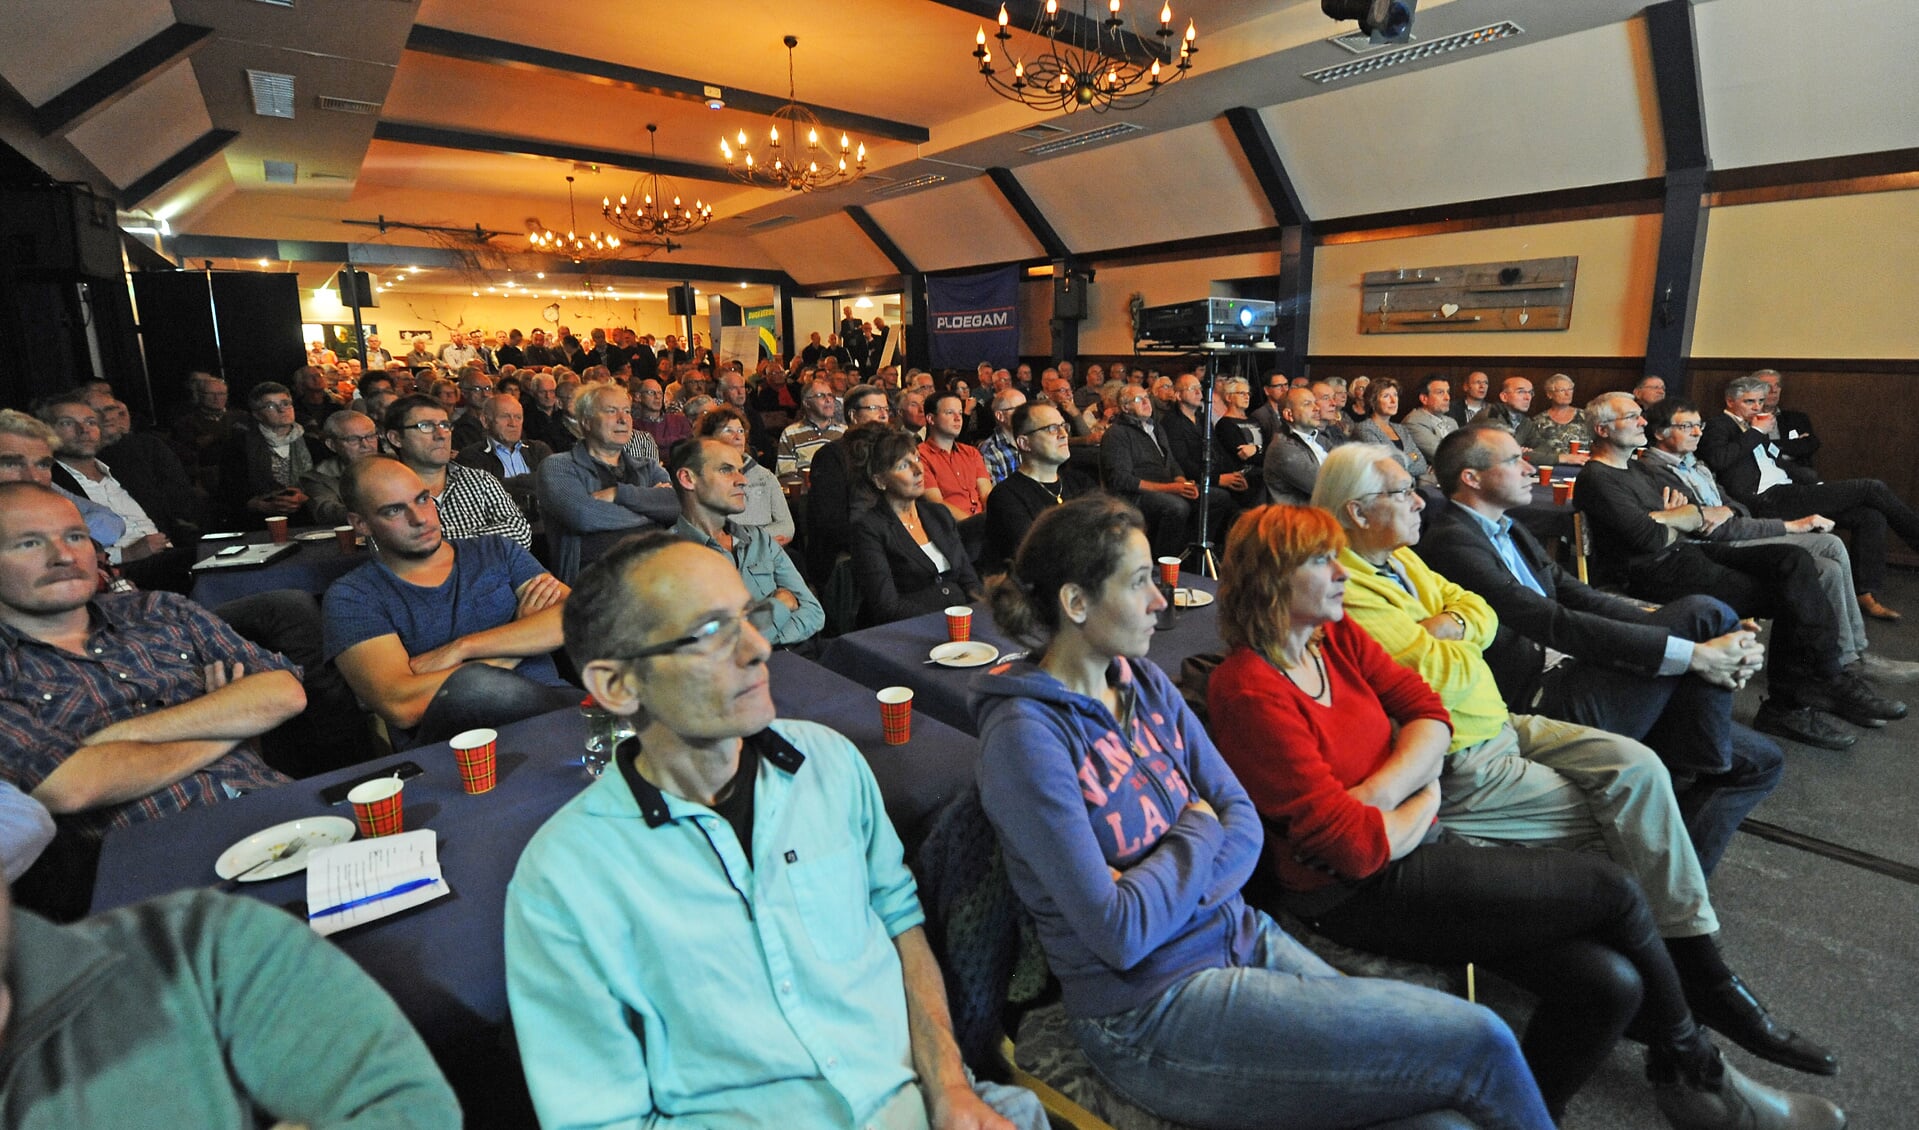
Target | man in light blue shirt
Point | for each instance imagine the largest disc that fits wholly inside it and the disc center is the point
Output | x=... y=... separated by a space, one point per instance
x=710 y=476
x=722 y=929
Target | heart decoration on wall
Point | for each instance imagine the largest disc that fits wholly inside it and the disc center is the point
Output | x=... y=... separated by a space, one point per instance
x=1449 y=309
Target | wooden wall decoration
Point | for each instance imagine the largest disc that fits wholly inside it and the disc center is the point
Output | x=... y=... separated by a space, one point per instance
x=1517 y=295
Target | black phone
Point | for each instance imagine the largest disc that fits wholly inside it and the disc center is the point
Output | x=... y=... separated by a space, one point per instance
x=336 y=794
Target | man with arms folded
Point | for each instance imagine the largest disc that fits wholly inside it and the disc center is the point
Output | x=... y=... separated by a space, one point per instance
x=1528 y=779
x=956 y=472
x=711 y=480
x=722 y=929
x=435 y=635
x=600 y=491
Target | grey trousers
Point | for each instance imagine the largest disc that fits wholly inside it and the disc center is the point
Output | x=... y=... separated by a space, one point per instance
x=1835 y=580
x=1547 y=783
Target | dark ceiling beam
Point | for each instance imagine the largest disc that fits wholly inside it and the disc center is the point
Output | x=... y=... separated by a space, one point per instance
x=881 y=240
x=163 y=174
x=502 y=53
x=1682 y=232
x=1028 y=212
x=1256 y=142
x=1296 y=259
x=440 y=137
x=1074 y=27
x=73 y=106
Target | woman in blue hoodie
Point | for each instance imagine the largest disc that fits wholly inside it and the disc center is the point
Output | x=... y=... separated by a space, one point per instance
x=1127 y=839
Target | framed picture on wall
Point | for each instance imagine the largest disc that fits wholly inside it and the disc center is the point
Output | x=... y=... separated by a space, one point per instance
x=416 y=335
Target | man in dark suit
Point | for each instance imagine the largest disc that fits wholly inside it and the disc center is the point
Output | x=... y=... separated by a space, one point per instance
x=1791 y=430
x=504 y=454
x=1294 y=455
x=837 y=491
x=1136 y=463
x=1758 y=472
x=1267 y=415
x=1570 y=652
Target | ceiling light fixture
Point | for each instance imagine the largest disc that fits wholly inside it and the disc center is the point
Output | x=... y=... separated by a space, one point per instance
x=652 y=217
x=1088 y=63
x=592 y=246
x=772 y=169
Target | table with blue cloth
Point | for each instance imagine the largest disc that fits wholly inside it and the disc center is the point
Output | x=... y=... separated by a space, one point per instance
x=443 y=962
x=895 y=654
x=311 y=567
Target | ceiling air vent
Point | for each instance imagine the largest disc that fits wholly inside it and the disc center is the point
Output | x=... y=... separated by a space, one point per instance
x=771 y=222
x=347 y=105
x=1090 y=137
x=328 y=176
x=280 y=172
x=1040 y=131
x=272 y=94
x=925 y=180
x=1413 y=53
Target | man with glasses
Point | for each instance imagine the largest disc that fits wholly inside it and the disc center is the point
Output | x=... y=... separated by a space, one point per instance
x=1136 y=463
x=1526 y=779
x=601 y=491
x=816 y=428
x=1471 y=400
x=476 y=388
x=351 y=436
x=1268 y=414
x=710 y=477
x=1041 y=482
x=1659 y=543
x=262 y=463
x=437 y=635
x=472 y=503
x=730 y=857
x=1511 y=409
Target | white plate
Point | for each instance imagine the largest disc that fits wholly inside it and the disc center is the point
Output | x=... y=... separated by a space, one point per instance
x=970 y=653
x=315 y=831
x=1191 y=598
x=315 y=535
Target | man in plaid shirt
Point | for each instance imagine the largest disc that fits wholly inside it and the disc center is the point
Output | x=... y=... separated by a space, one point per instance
x=119 y=708
x=472 y=502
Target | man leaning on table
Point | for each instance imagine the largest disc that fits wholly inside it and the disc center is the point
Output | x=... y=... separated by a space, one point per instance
x=723 y=929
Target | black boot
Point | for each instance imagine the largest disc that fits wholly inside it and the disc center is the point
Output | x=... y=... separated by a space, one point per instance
x=1731 y=1009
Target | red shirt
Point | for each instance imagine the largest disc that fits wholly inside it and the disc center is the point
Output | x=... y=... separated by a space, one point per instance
x=1297 y=757
x=956 y=474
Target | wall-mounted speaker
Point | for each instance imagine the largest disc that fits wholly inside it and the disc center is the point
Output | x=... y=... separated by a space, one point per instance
x=346 y=282
x=679 y=301
x=1070 y=295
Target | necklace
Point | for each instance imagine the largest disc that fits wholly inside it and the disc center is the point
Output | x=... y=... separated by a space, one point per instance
x=1057 y=493
x=1319 y=667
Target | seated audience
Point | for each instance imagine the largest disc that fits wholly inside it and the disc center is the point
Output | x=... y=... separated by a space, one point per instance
x=1272 y=404
x=1357 y=406
x=505 y=453
x=597 y=493
x=1235 y=434
x=1550 y=435
x=1568 y=651
x=1136 y=463
x=1378 y=427
x=145 y=458
x=200 y=429
x=26 y=455
x=472 y=503
x=838 y=491
x=907 y=554
x=351 y=436
x=1658 y=543
x=1791 y=430
x=1127 y=840
x=1509 y=411
x=476 y=388
x=956 y=473
x=1757 y=471
x=614 y=984
x=650 y=415
x=766 y=506
x=437 y=635
x=1431 y=422
x=312 y=396
x=1649 y=391
x=1471 y=400
x=816 y=428
x=261 y=466
x=1329 y=396
x=998 y=449
x=1525 y=778
x=1041 y=482
x=1293 y=458
x=710 y=478
x=154 y=546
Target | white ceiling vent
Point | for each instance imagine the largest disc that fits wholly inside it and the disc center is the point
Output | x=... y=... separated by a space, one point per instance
x=1040 y=131
x=1413 y=53
x=347 y=105
x=1090 y=137
x=925 y=180
x=280 y=172
x=272 y=94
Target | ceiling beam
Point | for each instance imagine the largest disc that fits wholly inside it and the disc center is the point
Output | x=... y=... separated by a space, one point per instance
x=1028 y=211
x=1282 y=195
x=502 y=53
x=1074 y=27
x=1682 y=232
x=1256 y=143
x=440 y=137
x=71 y=107
x=176 y=166
x=881 y=240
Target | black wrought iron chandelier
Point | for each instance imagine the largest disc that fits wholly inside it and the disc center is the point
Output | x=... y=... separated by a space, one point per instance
x=580 y=248
x=1087 y=63
x=794 y=157
x=659 y=212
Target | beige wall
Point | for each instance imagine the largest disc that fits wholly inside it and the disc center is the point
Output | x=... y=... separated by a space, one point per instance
x=1610 y=300
x=1836 y=277
x=443 y=313
x=1108 y=327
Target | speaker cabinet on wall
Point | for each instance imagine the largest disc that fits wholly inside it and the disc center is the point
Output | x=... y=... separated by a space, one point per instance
x=1069 y=295
x=60 y=228
x=679 y=301
x=346 y=282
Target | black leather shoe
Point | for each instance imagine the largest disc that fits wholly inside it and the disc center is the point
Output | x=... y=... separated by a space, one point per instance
x=1800 y=724
x=1731 y=1010
x=1851 y=698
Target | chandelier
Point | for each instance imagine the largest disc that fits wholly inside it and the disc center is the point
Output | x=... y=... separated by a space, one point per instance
x=1085 y=65
x=804 y=171
x=653 y=218
x=579 y=248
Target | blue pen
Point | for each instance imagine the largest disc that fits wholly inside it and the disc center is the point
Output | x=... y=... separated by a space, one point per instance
x=403 y=888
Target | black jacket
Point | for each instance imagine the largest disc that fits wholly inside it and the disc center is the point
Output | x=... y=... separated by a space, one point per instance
x=1728 y=450
x=896 y=578
x=1128 y=456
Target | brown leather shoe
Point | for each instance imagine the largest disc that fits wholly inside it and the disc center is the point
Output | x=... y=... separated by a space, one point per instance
x=1870 y=605
x=1740 y=1103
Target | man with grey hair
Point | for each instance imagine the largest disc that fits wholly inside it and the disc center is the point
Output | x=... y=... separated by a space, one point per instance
x=1528 y=779
x=505 y=453
x=351 y=436
x=597 y=493
x=1791 y=430
x=1756 y=470
x=1650 y=390
x=999 y=450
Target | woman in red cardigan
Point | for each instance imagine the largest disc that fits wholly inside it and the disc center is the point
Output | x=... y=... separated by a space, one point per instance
x=1340 y=749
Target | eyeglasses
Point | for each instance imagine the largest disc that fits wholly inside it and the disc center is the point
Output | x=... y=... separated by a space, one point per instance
x=427 y=427
x=1692 y=426
x=1060 y=430
x=712 y=637
x=276 y=405
x=1402 y=494
x=370 y=437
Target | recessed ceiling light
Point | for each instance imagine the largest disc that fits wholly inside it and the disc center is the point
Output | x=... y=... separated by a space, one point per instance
x=263 y=262
x=476 y=294
x=539 y=274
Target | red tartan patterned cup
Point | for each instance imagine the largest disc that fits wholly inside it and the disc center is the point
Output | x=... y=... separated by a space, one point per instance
x=376 y=807
x=277 y=529
x=896 y=714
x=1169 y=571
x=474 y=750
x=959 y=623
x=349 y=541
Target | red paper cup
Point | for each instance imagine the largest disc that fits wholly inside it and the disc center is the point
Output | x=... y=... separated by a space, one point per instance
x=474 y=750
x=1169 y=570
x=1562 y=493
x=1546 y=475
x=1575 y=446
x=376 y=807
x=348 y=542
x=277 y=529
x=896 y=714
x=959 y=623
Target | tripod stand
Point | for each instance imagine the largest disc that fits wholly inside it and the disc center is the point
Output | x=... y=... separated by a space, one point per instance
x=1200 y=551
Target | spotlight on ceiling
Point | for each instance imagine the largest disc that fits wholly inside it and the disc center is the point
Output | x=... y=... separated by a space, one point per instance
x=1387 y=21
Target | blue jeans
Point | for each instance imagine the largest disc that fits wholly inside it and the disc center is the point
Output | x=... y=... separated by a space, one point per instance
x=481 y=695
x=1289 y=1041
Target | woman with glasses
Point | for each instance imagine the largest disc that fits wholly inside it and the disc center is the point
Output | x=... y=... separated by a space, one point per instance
x=1382 y=398
x=1357 y=406
x=1127 y=839
x=1551 y=434
x=907 y=558
x=765 y=502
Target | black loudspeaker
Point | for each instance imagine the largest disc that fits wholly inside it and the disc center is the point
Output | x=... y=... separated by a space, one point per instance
x=1069 y=295
x=346 y=282
x=679 y=301
x=58 y=228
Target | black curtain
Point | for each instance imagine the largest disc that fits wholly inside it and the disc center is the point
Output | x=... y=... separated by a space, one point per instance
x=257 y=317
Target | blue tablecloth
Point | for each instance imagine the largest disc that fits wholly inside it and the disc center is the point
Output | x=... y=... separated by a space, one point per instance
x=311 y=567
x=443 y=962
x=895 y=654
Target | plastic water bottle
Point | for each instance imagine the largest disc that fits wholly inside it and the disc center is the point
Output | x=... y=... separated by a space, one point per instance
x=600 y=736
